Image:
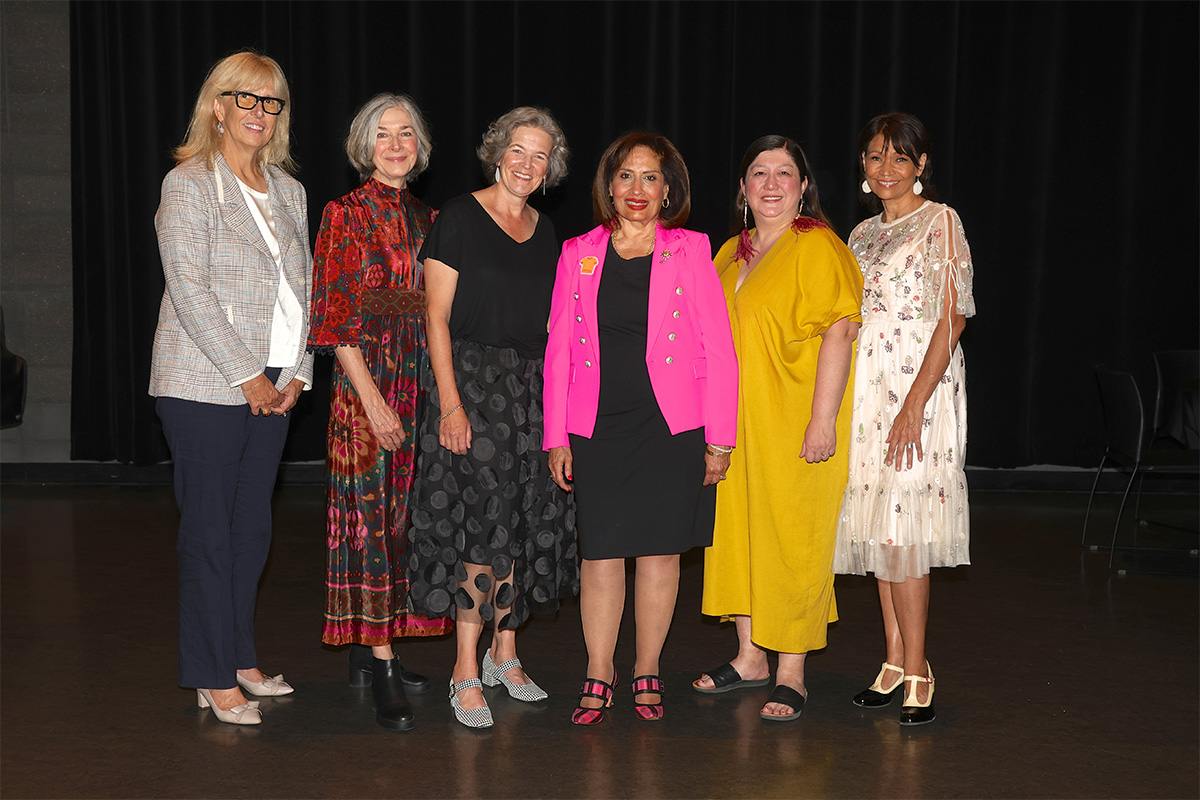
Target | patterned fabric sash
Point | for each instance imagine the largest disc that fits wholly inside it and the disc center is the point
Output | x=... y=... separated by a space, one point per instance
x=393 y=301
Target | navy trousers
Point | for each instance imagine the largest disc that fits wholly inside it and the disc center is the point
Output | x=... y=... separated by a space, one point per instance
x=226 y=461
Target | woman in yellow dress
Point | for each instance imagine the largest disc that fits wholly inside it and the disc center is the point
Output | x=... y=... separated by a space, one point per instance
x=794 y=293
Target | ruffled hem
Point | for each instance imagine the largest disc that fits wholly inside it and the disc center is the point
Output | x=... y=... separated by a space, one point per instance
x=900 y=530
x=329 y=349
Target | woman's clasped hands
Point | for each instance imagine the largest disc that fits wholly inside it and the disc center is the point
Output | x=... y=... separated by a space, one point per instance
x=265 y=399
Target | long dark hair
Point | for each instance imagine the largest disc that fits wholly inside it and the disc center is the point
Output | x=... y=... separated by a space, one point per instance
x=907 y=136
x=812 y=199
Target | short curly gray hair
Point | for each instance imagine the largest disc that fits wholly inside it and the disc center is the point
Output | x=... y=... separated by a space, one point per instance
x=360 y=143
x=499 y=137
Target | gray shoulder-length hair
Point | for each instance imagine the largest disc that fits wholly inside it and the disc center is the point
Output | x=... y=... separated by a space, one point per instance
x=499 y=137
x=360 y=143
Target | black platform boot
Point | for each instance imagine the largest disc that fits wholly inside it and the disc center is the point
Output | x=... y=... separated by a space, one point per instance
x=362 y=667
x=392 y=710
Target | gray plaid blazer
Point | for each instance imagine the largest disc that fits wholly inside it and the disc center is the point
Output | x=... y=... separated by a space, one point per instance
x=214 y=324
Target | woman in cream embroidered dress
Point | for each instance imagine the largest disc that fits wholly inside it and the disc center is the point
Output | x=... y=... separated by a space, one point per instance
x=794 y=293
x=905 y=508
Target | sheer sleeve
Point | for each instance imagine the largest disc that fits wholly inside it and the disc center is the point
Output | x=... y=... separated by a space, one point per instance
x=336 y=317
x=948 y=260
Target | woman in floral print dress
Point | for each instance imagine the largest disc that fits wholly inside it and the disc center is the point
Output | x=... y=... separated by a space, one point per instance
x=905 y=507
x=368 y=310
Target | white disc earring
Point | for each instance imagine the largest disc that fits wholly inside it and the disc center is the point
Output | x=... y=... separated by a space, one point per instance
x=917 y=187
x=866 y=187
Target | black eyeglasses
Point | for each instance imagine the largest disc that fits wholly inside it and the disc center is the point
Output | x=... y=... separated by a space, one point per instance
x=248 y=100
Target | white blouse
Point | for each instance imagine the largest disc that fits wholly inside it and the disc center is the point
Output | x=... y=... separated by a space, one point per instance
x=288 y=319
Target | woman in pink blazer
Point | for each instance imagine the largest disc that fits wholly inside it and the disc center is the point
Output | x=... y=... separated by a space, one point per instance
x=642 y=448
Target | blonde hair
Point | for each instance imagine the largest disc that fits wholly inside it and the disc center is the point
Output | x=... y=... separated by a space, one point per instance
x=499 y=137
x=360 y=143
x=237 y=72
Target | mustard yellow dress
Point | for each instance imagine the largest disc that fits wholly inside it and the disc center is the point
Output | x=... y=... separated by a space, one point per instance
x=772 y=551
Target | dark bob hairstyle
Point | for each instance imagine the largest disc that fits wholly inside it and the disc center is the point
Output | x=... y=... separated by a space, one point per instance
x=763 y=144
x=675 y=174
x=907 y=136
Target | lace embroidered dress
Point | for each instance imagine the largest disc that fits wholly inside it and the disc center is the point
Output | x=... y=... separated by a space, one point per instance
x=900 y=524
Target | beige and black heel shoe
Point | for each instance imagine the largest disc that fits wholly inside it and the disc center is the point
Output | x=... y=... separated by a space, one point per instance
x=914 y=712
x=876 y=696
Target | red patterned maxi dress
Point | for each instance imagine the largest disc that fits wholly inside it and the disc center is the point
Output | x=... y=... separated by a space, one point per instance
x=368 y=293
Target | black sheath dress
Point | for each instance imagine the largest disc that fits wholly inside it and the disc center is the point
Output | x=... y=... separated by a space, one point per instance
x=638 y=490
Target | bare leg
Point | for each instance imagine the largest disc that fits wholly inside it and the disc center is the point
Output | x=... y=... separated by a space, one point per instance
x=504 y=640
x=601 y=604
x=891 y=633
x=910 y=600
x=791 y=673
x=655 y=591
x=468 y=627
x=750 y=661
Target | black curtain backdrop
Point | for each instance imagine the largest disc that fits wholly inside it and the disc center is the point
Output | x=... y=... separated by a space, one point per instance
x=1064 y=134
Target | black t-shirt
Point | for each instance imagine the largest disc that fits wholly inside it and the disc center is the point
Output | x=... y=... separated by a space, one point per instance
x=503 y=294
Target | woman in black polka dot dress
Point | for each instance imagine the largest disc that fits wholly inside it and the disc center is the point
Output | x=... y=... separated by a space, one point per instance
x=492 y=535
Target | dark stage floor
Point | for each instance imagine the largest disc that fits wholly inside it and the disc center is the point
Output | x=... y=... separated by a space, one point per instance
x=1055 y=679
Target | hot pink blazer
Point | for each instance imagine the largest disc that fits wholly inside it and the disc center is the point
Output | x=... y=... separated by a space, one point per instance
x=689 y=346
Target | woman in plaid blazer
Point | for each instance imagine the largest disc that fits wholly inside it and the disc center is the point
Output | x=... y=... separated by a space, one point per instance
x=229 y=362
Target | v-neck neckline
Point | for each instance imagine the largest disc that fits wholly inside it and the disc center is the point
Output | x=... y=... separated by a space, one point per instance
x=500 y=227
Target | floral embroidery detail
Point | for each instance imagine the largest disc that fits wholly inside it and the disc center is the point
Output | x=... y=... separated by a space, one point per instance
x=906 y=267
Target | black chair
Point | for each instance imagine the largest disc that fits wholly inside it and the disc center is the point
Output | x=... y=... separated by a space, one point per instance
x=1125 y=435
x=14 y=380
x=1176 y=407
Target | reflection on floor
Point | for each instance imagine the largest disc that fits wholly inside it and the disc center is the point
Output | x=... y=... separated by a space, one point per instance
x=1055 y=679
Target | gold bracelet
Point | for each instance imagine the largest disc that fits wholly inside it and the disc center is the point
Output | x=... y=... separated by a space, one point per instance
x=715 y=450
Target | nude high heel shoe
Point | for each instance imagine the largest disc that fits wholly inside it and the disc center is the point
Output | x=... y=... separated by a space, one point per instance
x=245 y=714
x=267 y=687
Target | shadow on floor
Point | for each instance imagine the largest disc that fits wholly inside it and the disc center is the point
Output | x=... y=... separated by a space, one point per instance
x=1055 y=679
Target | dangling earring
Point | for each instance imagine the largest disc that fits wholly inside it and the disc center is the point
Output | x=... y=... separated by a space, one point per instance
x=666 y=202
x=497 y=176
x=800 y=210
x=745 y=248
x=543 y=187
x=220 y=128
x=917 y=187
x=866 y=187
